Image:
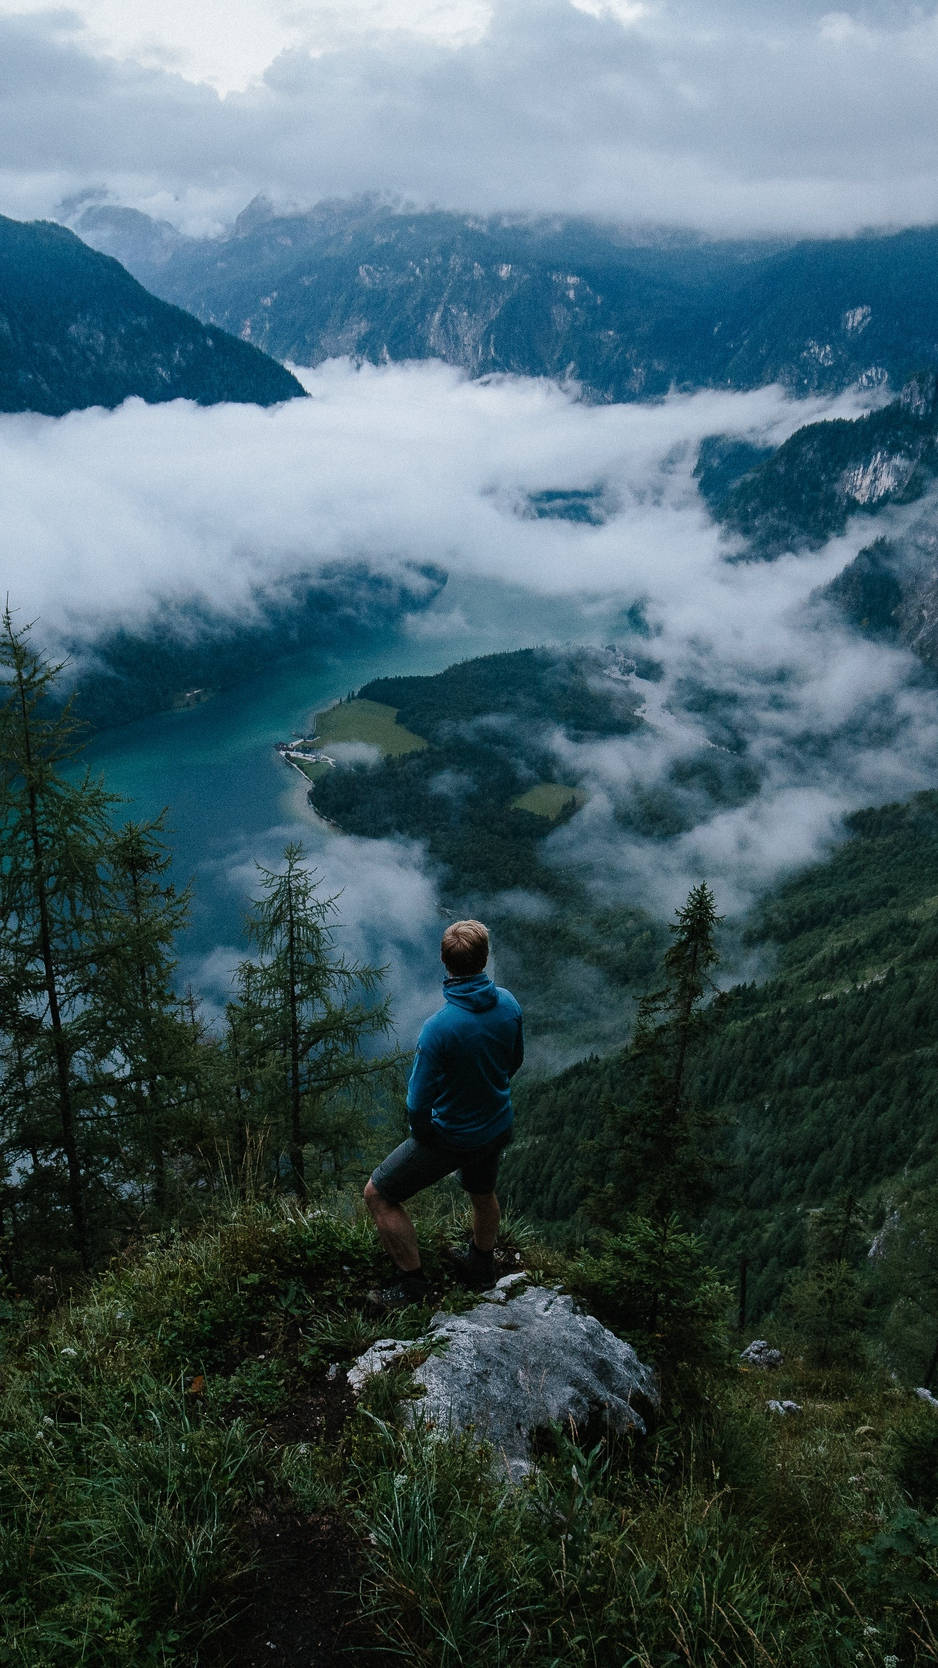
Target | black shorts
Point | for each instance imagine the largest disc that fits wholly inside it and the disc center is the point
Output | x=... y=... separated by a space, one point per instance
x=413 y=1166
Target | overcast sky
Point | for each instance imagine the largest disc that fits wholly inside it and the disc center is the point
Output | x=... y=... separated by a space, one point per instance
x=734 y=116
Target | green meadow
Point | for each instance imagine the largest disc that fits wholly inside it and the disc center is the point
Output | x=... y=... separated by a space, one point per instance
x=548 y=799
x=371 y=721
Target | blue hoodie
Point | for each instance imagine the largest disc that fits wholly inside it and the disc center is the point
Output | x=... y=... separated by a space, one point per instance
x=466 y=1052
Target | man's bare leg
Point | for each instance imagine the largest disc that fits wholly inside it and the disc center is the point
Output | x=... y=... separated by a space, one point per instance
x=395 y=1230
x=486 y=1216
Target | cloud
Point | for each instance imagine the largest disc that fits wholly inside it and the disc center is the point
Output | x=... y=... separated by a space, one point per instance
x=734 y=117
x=387 y=913
x=769 y=719
x=355 y=753
x=120 y=516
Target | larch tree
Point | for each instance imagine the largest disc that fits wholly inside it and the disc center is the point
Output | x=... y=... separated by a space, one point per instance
x=53 y=830
x=655 y=1145
x=656 y=1152
x=302 y=1019
x=155 y=1067
x=94 y=1063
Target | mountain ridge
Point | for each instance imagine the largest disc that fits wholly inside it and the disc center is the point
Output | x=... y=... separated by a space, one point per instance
x=627 y=313
x=78 y=330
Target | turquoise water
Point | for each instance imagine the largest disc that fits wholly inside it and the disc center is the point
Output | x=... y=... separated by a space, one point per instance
x=227 y=792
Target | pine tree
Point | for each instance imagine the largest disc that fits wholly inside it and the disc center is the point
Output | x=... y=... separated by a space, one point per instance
x=302 y=1017
x=96 y=1066
x=50 y=888
x=825 y=1300
x=905 y=1265
x=153 y=1084
x=656 y=1141
x=658 y=1154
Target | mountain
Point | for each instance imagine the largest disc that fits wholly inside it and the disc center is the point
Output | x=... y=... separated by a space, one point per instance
x=77 y=330
x=890 y=589
x=627 y=313
x=803 y=493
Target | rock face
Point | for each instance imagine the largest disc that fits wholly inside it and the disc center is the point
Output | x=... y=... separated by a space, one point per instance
x=826 y=472
x=890 y=589
x=517 y=1363
x=627 y=313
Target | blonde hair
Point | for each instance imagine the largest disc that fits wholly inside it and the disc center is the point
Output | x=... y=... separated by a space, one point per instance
x=465 y=948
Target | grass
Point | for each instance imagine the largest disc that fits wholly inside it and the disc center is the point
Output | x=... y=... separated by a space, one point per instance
x=142 y=1424
x=313 y=768
x=549 y=799
x=734 y=1542
x=370 y=721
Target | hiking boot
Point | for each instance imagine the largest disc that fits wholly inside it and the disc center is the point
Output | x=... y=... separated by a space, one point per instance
x=403 y=1293
x=473 y=1267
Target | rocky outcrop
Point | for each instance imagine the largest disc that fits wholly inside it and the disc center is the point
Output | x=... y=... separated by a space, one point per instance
x=521 y=1361
x=890 y=589
x=761 y=1354
x=807 y=490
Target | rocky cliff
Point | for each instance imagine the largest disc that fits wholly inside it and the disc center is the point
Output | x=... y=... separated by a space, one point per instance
x=626 y=312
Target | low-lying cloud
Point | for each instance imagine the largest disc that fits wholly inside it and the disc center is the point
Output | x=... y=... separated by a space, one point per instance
x=123 y=517
x=386 y=914
x=118 y=517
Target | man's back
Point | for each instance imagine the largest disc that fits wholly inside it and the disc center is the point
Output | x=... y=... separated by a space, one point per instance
x=466 y=1053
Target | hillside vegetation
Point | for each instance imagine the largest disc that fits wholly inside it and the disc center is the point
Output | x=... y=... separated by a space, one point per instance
x=77 y=330
x=185 y=1269
x=186 y=1480
x=824 y=1075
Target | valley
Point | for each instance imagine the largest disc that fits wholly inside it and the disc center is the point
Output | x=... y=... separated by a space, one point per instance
x=469 y=460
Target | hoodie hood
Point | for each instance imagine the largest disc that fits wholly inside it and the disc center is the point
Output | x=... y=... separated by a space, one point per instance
x=476 y=993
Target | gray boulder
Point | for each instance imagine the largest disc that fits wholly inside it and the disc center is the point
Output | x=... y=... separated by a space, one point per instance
x=761 y=1354
x=518 y=1362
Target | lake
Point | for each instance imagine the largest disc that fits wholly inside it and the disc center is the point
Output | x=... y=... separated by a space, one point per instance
x=231 y=800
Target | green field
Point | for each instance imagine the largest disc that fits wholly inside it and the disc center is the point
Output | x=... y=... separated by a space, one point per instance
x=549 y=799
x=369 y=721
x=313 y=768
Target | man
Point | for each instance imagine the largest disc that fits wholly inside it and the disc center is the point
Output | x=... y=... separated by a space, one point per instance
x=459 y=1105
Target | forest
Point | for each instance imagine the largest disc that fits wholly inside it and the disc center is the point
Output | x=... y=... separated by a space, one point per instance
x=488 y=724
x=822 y=1078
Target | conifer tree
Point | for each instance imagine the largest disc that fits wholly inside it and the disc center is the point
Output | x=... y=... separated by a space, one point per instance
x=656 y=1142
x=50 y=887
x=825 y=1300
x=95 y=1064
x=302 y=1017
x=905 y=1263
x=152 y=1086
x=657 y=1146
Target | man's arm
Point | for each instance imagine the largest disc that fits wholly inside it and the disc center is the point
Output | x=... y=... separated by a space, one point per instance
x=518 y=1056
x=422 y=1088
